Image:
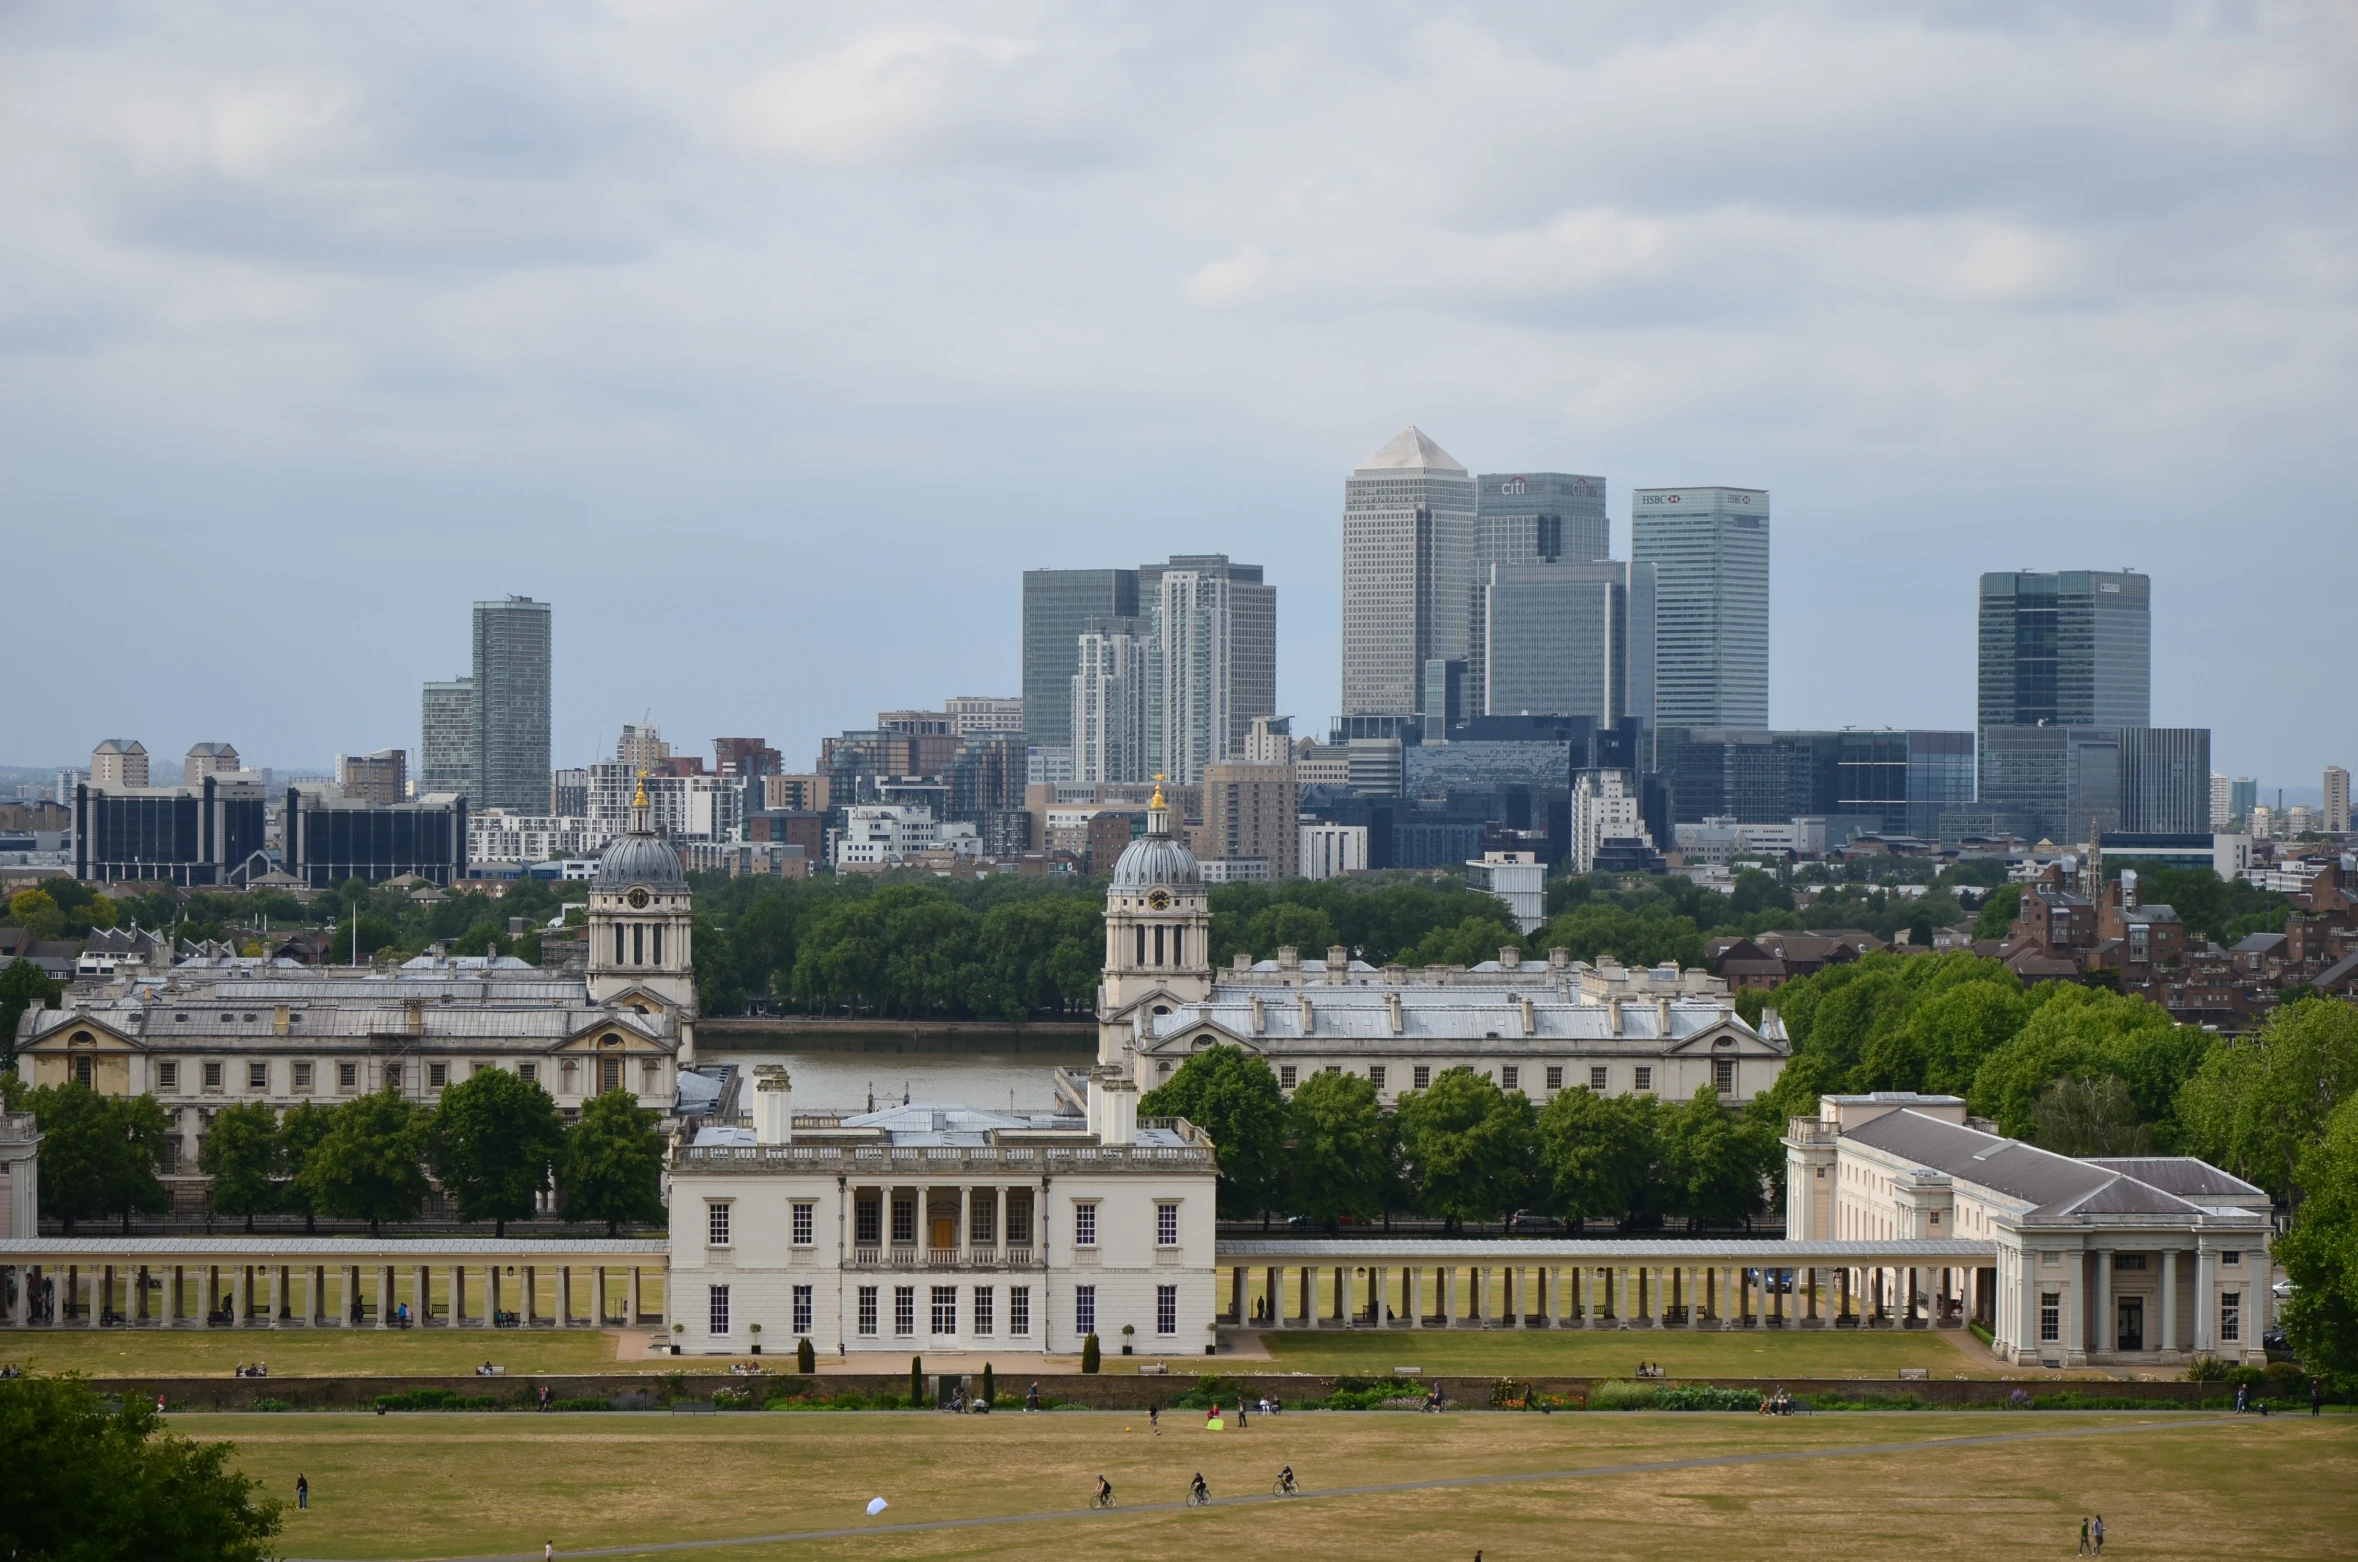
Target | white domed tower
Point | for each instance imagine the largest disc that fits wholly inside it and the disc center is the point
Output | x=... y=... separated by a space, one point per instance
x=639 y=919
x=1158 y=934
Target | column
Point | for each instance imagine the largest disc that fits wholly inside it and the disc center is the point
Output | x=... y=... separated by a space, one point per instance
x=1810 y=1279
x=1236 y=1292
x=273 y=1277
x=1309 y=1309
x=961 y=1239
x=2075 y=1311
x=384 y=1296
x=598 y=1312
x=999 y=1236
x=1662 y=1289
x=2169 y=1299
x=2106 y=1339
x=208 y=1301
x=637 y=1301
x=2206 y=1310
x=1620 y=1302
x=530 y=1311
x=1272 y=1295
x=1346 y=1294
x=565 y=1296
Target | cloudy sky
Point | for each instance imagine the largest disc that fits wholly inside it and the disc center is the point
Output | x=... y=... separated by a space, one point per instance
x=771 y=342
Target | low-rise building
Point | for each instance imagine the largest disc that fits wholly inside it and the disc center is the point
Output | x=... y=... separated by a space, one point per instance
x=1519 y=882
x=1332 y=849
x=876 y=836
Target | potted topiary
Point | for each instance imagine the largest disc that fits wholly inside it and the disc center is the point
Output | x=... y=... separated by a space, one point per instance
x=1212 y=1346
x=916 y=1382
x=990 y=1388
x=1128 y=1329
x=1089 y=1354
x=806 y=1359
x=677 y=1330
x=754 y=1329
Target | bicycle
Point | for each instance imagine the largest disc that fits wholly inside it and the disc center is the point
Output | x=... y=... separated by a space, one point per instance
x=1199 y=1495
x=1285 y=1486
x=1103 y=1499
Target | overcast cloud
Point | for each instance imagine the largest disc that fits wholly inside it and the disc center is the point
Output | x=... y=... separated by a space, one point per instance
x=772 y=342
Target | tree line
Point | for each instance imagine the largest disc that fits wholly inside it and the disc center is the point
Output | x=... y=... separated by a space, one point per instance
x=493 y=1144
x=1464 y=1150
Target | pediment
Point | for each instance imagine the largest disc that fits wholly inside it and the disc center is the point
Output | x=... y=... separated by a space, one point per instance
x=71 y=1032
x=1185 y=1040
x=1742 y=1043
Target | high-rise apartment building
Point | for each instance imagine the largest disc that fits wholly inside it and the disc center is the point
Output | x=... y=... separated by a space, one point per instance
x=446 y=739
x=973 y=714
x=1252 y=813
x=512 y=682
x=1109 y=699
x=2337 y=800
x=2222 y=804
x=569 y=793
x=118 y=763
x=381 y=778
x=641 y=747
x=1566 y=639
x=1059 y=605
x=1214 y=630
x=208 y=759
x=1408 y=573
x=746 y=757
x=1710 y=552
x=2073 y=648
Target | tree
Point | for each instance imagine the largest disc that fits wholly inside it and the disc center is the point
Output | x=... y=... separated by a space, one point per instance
x=1341 y=1148
x=368 y=1165
x=1091 y=1354
x=1715 y=1162
x=1230 y=1094
x=2086 y=1031
x=2083 y=1115
x=2320 y=1253
x=244 y=1157
x=2255 y=1108
x=1474 y=940
x=87 y=1482
x=37 y=912
x=1597 y=1153
x=1635 y=938
x=22 y=985
x=496 y=1138
x=611 y=1168
x=1469 y=1146
x=806 y=1359
x=99 y=1153
x=299 y=1134
x=1998 y=911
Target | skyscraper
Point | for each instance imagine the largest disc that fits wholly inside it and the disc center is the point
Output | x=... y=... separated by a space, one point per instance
x=1566 y=640
x=1214 y=668
x=512 y=704
x=2337 y=800
x=1539 y=518
x=1710 y=552
x=1108 y=703
x=1058 y=607
x=1408 y=568
x=2073 y=648
x=446 y=739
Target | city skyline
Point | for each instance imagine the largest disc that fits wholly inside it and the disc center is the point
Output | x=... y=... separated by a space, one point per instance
x=1185 y=305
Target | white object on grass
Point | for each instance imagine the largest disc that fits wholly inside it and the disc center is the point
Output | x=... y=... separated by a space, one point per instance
x=877 y=1505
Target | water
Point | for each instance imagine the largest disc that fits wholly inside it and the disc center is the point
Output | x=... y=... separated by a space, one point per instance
x=840 y=1081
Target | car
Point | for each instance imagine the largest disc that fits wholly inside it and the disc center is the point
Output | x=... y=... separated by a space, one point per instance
x=1780 y=1282
x=2283 y=1290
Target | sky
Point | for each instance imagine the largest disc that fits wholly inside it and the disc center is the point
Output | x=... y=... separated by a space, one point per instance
x=772 y=342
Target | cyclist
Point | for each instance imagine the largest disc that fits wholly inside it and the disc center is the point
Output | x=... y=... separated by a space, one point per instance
x=1104 y=1498
x=1198 y=1493
x=1285 y=1482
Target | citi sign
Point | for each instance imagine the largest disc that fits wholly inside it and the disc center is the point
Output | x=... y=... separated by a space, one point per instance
x=1514 y=485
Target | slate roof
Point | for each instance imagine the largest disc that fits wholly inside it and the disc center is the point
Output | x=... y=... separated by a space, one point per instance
x=1440 y=1012
x=2058 y=1187
x=2186 y=1177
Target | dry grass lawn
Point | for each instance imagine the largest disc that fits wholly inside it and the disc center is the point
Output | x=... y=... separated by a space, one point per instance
x=445 y=1486
x=1596 y=1353
x=319 y=1353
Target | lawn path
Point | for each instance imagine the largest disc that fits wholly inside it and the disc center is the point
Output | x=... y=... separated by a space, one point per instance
x=1439 y=1483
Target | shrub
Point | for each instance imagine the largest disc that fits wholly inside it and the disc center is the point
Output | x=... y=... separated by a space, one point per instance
x=1376 y=1393
x=990 y=1385
x=917 y=1382
x=805 y=1358
x=270 y=1404
x=435 y=1399
x=1981 y=1332
x=1622 y=1394
x=2207 y=1369
x=582 y=1404
x=1089 y=1354
x=1701 y=1396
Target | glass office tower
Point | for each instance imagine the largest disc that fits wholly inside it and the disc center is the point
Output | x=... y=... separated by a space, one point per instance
x=1710 y=551
x=1059 y=606
x=1408 y=573
x=2074 y=649
x=511 y=705
x=446 y=739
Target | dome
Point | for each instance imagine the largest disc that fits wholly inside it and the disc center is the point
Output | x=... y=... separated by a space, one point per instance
x=1156 y=859
x=639 y=859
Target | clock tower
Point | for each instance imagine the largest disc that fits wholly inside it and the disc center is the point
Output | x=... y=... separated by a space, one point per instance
x=1158 y=933
x=639 y=919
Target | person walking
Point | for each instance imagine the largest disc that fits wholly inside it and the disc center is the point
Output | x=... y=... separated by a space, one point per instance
x=2096 y=1533
x=548 y=1551
x=2243 y=1398
x=302 y=1492
x=1240 y=1412
x=2083 y=1551
x=1031 y=1401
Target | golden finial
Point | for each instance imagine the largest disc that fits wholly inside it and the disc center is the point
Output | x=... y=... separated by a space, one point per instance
x=1158 y=791
x=640 y=801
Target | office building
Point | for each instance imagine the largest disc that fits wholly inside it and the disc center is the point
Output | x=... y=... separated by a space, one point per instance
x=118 y=764
x=208 y=759
x=2337 y=800
x=1269 y=741
x=1900 y=782
x=2071 y=785
x=745 y=757
x=569 y=793
x=1750 y=774
x=446 y=738
x=1539 y=518
x=974 y=714
x=1408 y=567
x=1606 y=811
x=208 y=835
x=1566 y=640
x=1330 y=850
x=1252 y=813
x=1710 y=552
x=1059 y=605
x=332 y=835
x=381 y=778
x=876 y=836
x=512 y=673
x=1518 y=880
x=1214 y=633
x=2067 y=649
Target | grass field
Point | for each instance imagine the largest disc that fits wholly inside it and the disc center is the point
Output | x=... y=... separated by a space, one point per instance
x=1579 y=1353
x=455 y=1486
x=318 y=1353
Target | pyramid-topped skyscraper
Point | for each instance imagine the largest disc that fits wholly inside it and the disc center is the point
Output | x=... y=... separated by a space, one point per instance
x=1408 y=563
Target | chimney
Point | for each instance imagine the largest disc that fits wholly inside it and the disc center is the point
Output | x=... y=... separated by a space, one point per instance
x=1662 y=1018
x=773 y=1104
x=1338 y=965
x=1614 y=1005
x=1530 y=1017
x=1510 y=957
x=1309 y=1017
x=1113 y=1106
x=417 y=1017
x=1392 y=1010
x=1260 y=1017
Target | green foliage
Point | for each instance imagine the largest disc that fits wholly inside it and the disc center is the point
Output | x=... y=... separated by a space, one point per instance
x=22 y=985
x=1756 y=892
x=1380 y=920
x=806 y=1359
x=37 y=912
x=84 y=1482
x=369 y=1164
x=243 y=1156
x=1716 y=1164
x=435 y=1399
x=1639 y=938
x=611 y=1168
x=1090 y=1354
x=2079 y=1115
x=2320 y=1253
x=1998 y=911
x=1894 y=1022
x=990 y=1385
x=2089 y=1033
x=299 y=1133
x=917 y=1380
x=916 y=949
x=1469 y=1148
x=1232 y=1095
x=2255 y=1108
x=495 y=1140
x=2211 y=907
x=1472 y=941
x=1598 y=1154
x=1342 y=1148
x=99 y=1153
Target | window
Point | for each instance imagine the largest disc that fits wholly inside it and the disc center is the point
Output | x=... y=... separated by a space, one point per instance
x=716 y=1223
x=1019 y=1221
x=1166 y=1309
x=945 y=1309
x=609 y=1074
x=1509 y=1077
x=167 y=1076
x=1596 y=1080
x=1723 y=1075
x=2230 y=1316
x=392 y=1076
x=983 y=1321
x=2050 y=1260
x=2127 y=1261
x=867 y=1223
x=720 y=1309
x=213 y=1076
x=2231 y=1258
x=2050 y=1315
x=1555 y=1076
x=1019 y=1309
x=528 y=1072
x=1375 y=1075
x=1166 y=1225
x=347 y=1075
x=303 y=1078
x=1285 y=1076
x=981 y=1219
x=805 y=1222
x=904 y=1310
x=1085 y=1309
x=1934 y=1219
x=85 y=1070
x=638 y=943
x=867 y=1317
x=1645 y=1079
x=1084 y=1225
x=802 y=1309
x=437 y=1075
x=1420 y=1076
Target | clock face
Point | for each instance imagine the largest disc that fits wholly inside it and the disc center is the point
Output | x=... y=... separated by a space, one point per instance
x=638 y=899
x=1159 y=899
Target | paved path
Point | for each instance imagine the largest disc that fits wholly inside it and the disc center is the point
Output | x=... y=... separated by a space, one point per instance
x=1591 y=1472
